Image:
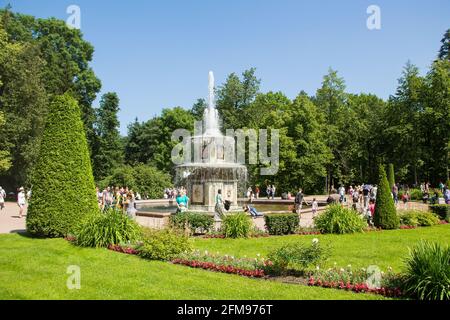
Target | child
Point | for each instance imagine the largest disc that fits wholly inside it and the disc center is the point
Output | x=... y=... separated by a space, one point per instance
x=314 y=207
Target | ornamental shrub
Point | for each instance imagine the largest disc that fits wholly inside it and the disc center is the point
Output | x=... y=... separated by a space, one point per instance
x=416 y=218
x=442 y=210
x=105 y=228
x=164 y=244
x=63 y=185
x=385 y=213
x=427 y=275
x=337 y=219
x=196 y=222
x=237 y=225
x=279 y=224
x=296 y=257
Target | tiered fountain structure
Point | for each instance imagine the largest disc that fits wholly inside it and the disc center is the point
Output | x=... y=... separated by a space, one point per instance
x=214 y=165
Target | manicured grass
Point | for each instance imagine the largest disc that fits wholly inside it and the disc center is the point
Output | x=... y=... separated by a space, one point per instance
x=383 y=248
x=36 y=269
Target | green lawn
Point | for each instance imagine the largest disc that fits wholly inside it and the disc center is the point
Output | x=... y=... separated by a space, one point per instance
x=36 y=269
x=384 y=248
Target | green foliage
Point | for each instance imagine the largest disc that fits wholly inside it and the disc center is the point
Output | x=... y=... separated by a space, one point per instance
x=418 y=218
x=236 y=225
x=109 y=227
x=44 y=58
x=442 y=210
x=196 y=222
x=279 y=224
x=385 y=213
x=337 y=219
x=296 y=256
x=164 y=244
x=151 y=142
x=63 y=186
x=391 y=175
x=145 y=179
x=107 y=148
x=427 y=275
x=5 y=162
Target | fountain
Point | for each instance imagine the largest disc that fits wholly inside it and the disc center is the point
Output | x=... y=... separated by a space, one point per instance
x=214 y=166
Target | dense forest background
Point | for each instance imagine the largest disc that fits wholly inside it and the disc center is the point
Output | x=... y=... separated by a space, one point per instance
x=331 y=138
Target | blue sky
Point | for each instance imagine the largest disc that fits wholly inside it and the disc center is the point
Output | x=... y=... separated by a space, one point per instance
x=157 y=54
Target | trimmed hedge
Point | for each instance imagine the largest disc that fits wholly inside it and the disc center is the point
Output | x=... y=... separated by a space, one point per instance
x=385 y=213
x=63 y=185
x=442 y=210
x=278 y=224
x=416 y=218
x=195 y=221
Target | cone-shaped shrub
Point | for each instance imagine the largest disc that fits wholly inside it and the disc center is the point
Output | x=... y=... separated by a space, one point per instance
x=391 y=175
x=385 y=213
x=63 y=185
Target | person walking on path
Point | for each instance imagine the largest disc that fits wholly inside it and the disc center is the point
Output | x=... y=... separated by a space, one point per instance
x=299 y=199
x=395 y=193
x=219 y=204
x=21 y=201
x=2 y=198
x=314 y=207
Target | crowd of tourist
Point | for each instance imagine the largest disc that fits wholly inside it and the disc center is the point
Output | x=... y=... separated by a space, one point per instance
x=120 y=198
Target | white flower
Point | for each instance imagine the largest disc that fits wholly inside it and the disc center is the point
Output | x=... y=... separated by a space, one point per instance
x=317 y=268
x=315 y=241
x=206 y=252
x=342 y=270
x=258 y=255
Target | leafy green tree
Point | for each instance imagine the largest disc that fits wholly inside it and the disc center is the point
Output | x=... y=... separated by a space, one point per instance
x=435 y=123
x=24 y=102
x=5 y=161
x=444 y=51
x=385 y=216
x=402 y=124
x=331 y=100
x=235 y=96
x=63 y=184
x=198 y=109
x=107 y=152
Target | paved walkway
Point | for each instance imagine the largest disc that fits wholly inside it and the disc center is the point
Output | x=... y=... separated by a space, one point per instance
x=9 y=219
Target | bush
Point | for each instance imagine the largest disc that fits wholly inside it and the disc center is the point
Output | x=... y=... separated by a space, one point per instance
x=278 y=224
x=196 y=222
x=442 y=210
x=427 y=275
x=385 y=213
x=416 y=218
x=109 y=227
x=164 y=244
x=236 y=225
x=295 y=257
x=63 y=185
x=415 y=194
x=337 y=219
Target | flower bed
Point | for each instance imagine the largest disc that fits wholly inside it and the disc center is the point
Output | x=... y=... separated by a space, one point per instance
x=220 y=268
x=404 y=227
x=224 y=263
x=123 y=249
x=363 y=280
